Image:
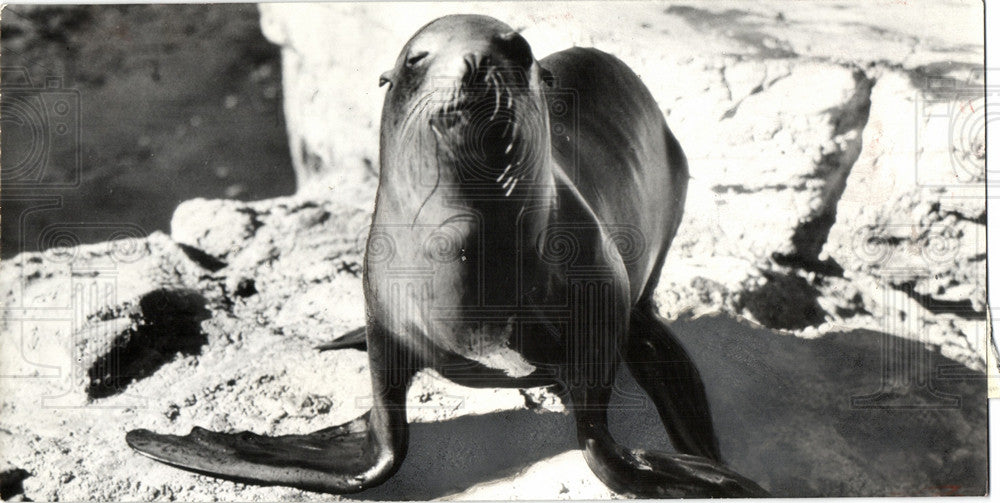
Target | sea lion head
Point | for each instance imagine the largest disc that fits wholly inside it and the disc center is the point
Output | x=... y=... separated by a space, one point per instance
x=465 y=108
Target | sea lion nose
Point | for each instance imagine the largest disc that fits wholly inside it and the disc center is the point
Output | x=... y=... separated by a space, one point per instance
x=476 y=64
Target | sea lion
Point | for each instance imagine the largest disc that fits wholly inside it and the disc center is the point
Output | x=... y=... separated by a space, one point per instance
x=523 y=214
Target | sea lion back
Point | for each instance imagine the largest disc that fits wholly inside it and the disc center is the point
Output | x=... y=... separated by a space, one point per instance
x=622 y=157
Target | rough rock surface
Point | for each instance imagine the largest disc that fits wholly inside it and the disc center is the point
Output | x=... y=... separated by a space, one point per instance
x=834 y=232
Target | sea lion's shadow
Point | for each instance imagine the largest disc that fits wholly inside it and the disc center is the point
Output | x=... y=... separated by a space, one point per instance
x=447 y=457
x=450 y=456
x=852 y=413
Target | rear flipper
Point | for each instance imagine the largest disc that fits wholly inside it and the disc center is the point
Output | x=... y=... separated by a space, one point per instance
x=355 y=339
x=331 y=460
x=668 y=375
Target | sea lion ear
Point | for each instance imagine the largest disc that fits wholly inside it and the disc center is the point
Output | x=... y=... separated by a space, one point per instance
x=547 y=77
x=385 y=78
x=516 y=48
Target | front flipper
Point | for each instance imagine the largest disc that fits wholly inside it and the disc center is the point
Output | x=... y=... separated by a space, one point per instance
x=648 y=474
x=337 y=459
x=651 y=474
x=668 y=375
x=347 y=458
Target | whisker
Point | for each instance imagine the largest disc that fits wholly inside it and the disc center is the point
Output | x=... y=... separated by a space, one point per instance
x=496 y=93
x=505 y=171
x=437 y=180
x=510 y=105
x=511 y=189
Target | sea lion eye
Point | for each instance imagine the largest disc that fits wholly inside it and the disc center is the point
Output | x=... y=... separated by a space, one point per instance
x=547 y=77
x=415 y=58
